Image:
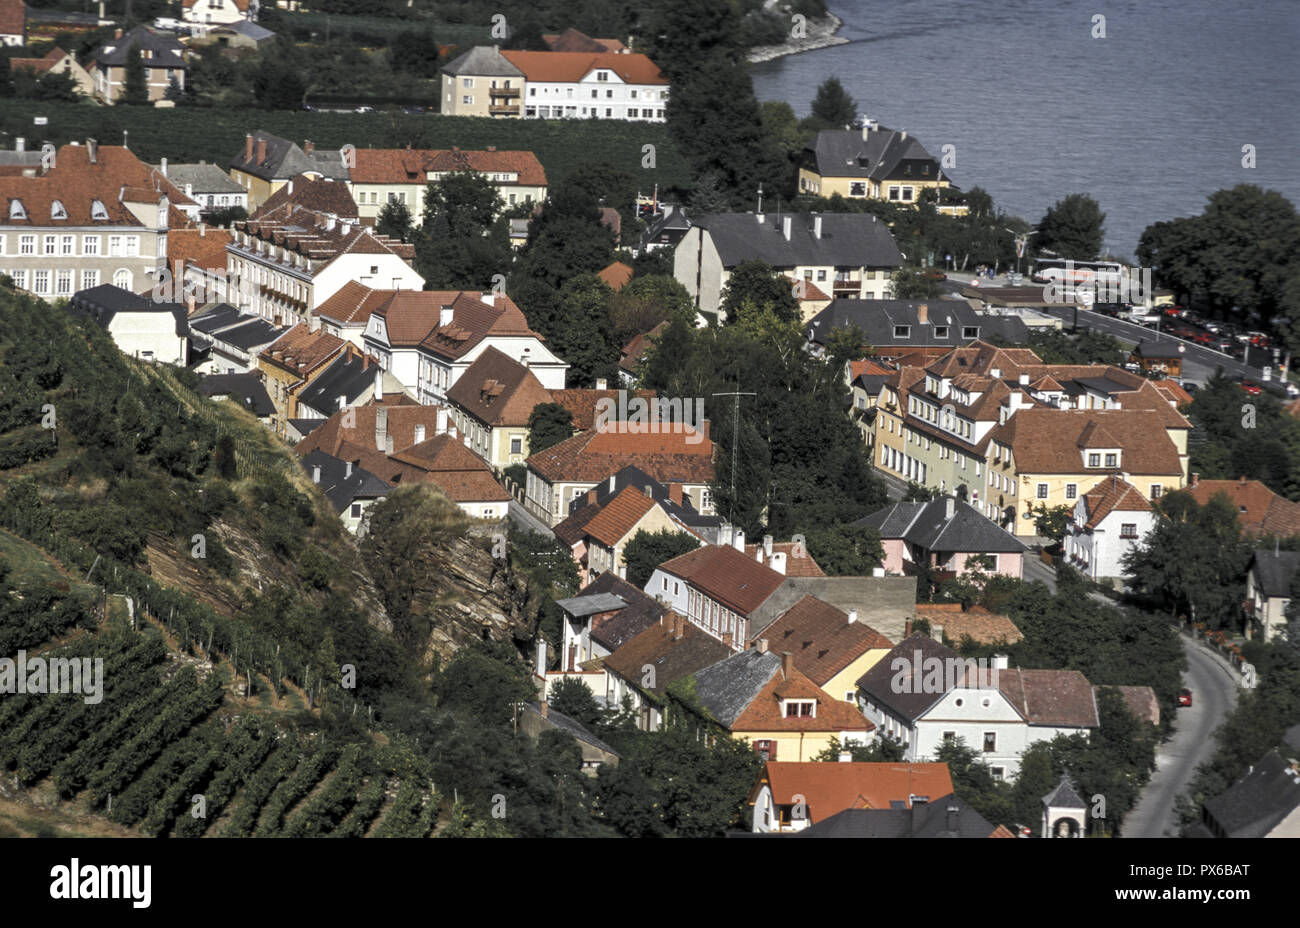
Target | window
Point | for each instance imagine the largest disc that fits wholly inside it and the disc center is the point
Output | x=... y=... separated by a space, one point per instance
x=1071 y=491
x=123 y=279
x=98 y=210
x=998 y=773
x=1157 y=491
x=89 y=279
x=1094 y=460
x=1112 y=460
x=799 y=708
x=602 y=75
x=990 y=742
x=516 y=446
x=467 y=99
x=857 y=189
x=63 y=286
x=949 y=736
x=1042 y=491
x=57 y=210
x=970 y=331
x=16 y=210
x=41 y=282
x=467 y=82
x=115 y=246
x=27 y=244
x=902 y=331
x=1128 y=530
x=51 y=244
x=940 y=331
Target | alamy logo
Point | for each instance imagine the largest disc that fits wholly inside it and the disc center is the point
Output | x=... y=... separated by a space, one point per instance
x=54 y=676
x=103 y=881
x=639 y=416
x=1083 y=285
x=936 y=675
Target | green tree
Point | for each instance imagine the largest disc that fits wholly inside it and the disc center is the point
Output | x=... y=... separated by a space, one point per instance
x=582 y=335
x=174 y=92
x=753 y=289
x=1072 y=228
x=833 y=106
x=573 y=697
x=911 y=283
x=845 y=550
x=548 y=424
x=135 y=88
x=468 y=200
x=626 y=801
x=414 y=52
x=394 y=221
x=647 y=550
x=1053 y=522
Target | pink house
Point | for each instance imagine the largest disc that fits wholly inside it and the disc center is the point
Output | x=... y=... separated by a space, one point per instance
x=945 y=532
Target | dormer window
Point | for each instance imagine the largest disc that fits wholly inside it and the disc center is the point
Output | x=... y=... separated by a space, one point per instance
x=940 y=331
x=57 y=210
x=902 y=331
x=1112 y=460
x=98 y=210
x=1094 y=460
x=799 y=708
x=17 y=210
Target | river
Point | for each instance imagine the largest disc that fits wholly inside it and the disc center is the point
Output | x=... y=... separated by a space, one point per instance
x=1148 y=120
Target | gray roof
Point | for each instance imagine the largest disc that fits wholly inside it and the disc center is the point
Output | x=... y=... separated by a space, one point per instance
x=847 y=240
x=639 y=612
x=347 y=376
x=1103 y=385
x=877 y=318
x=1258 y=802
x=203 y=177
x=340 y=487
x=167 y=52
x=247 y=388
x=883 y=603
x=1157 y=350
x=104 y=302
x=1273 y=572
x=946 y=817
x=249 y=30
x=1064 y=796
x=284 y=160
x=25 y=159
x=591 y=604
x=878 y=682
x=251 y=334
x=880 y=155
x=729 y=686
x=484 y=61
x=216 y=318
x=929 y=525
x=570 y=725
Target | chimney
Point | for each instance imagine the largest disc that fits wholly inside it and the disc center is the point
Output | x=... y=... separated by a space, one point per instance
x=761 y=644
x=347 y=469
x=445 y=316
x=602 y=383
x=679 y=626
x=817 y=225
x=315 y=473
x=738 y=540
x=999 y=662
x=117 y=33
x=1243 y=480
x=248 y=148
x=907 y=629
x=162 y=167
x=419 y=434
x=902 y=136
x=949 y=507
x=785 y=227
x=936 y=632
x=381 y=429
x=441 y=425
x=675 y=493
x=203 y=230
x=591 y=495
x=853 y=616
x=388 y=444
x=541 y=657
x=767 y=546
x=611 y=482
x=379 y=383
x=787 y=665
x=261 y=150
x=778 y=562
x=92 y=150
x=308 y=146
x=20 y=144
x=846 y=757
x=489 y=297
x=1024 y=380
x=953 y=814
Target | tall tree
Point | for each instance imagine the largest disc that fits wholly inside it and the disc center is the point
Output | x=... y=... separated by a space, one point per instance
x=833 y=105
x=394 y=221
x=135 y=89
x=753 y=289
x=647 y=550
x=548 y=425
x=1072 y=228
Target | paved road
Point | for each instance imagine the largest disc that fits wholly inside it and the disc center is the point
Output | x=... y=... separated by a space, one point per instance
x=1214 y=685
x=525 y=519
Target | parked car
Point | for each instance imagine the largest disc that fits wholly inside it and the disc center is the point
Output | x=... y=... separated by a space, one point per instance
x=935 y=274
x=1250 y=387
x=1184 y=697
x=1190 y=386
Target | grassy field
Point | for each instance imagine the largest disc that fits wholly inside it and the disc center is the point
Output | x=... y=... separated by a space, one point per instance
x=189 y=134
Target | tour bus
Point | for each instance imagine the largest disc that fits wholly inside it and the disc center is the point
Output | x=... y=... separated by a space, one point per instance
x=1047 y=270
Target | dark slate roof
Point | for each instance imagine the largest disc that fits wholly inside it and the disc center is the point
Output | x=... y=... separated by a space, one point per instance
x=728 y=687
x=104 y=302
x=871 y=382
x=640 y=613
x=591 y=604
x=1104 y=385
x=927 y=524
x=877 y=318
x=482 y=61
x=345 y=376
x=221 y=316
x=1273 y=572
x=252 y=334
x=247 y=388
x=848 y=240
x=1064 y=796
x=204 y=177
x=284 y=160
x=877 y=683
x=340 y=488
x=845 y=153
x=572 y=726
x=306 y=426
x=946 y=817
x=167 y=52
x=1259 y=801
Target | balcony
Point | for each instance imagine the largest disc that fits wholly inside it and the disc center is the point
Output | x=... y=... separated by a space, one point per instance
x=503 y=109
x=511 y=93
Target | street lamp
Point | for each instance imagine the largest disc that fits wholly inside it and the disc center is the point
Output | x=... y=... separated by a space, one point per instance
x=1022 y=240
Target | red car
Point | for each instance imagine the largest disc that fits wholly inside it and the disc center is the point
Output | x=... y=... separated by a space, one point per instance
x=1184 y=697
x=1251 y=387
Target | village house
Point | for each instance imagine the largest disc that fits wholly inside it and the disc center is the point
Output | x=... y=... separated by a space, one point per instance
x=491 y=403
x=163 y=58
x=219 y=12
x=94 y=214
x=1268 y=593
x=139 y=326
x=717 y=587
x=13 y=22
x=606 y=614
x=56 y=61
x=1108 y=522
x=226 y=341
x=790 y=796
x=946 y=817
x=874 y=163
x=1265 y=803
x=671 y=453
x=429 y=338
x=267 y=162
x=632 y=354
x=844 y=254
x=763 y=697
x=1260 y=511
x=537 y=717
x=350 y=379
x=670 y=498
x=832 y=647
x=196 y=261
x=350 y=490
x=379 y=176
x=206 y=184
x=291 y=362
x=922 y=694
x=599 y=532
x=945 y=534
x=910 y=332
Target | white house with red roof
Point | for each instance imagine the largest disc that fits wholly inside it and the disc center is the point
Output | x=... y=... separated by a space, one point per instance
x=378 y=176
x=13 y=22
x=1109 y=521
x=219 y=12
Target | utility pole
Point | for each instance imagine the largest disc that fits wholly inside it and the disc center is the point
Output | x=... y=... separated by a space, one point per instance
x=735 y=433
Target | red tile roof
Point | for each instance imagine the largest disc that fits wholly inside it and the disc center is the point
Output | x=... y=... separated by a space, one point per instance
x=472 y=321
x=978 y=623
x=407 y=166
x=571 y=67
x=353 y=303
x=1051 y=441
x=316 y=194
x=828 y=788
x=571 y=40
x=356 y=427
x=13 y=17
x=616 y=275
x=798 y=562
x=498 y=390
x=581 y=402
x=1061 y=698
x=1112 y=495
x=821 y=638
x=635 y=349
x=764 y=712
x=1260 y=511
x=726 y=575
x=619 y=516
x=673 y=454
x=202 y=247
x=38 y=65
x=318 y=236
x=300 y=350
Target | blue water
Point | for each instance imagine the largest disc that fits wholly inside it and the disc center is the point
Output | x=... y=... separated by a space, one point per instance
x=1149 y=120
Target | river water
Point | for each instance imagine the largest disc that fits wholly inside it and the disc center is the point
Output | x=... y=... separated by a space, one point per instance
x=1148 y=120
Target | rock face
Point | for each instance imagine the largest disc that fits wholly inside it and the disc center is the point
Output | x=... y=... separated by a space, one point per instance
x=474 y=597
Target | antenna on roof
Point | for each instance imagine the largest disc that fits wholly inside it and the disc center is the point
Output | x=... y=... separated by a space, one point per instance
x=735 y=432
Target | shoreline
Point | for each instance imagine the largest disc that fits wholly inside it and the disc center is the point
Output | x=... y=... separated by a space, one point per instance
x=821 y=34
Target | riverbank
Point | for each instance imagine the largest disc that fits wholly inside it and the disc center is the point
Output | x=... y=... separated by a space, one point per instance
x=821 y=34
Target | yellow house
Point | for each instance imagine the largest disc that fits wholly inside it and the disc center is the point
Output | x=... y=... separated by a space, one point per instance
x=379 y=176
x=872 y=163
x=267 y=162
x=831 y=647
x=290 y=362
x=56 y=61
x=491 y=404
x=482 y=82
